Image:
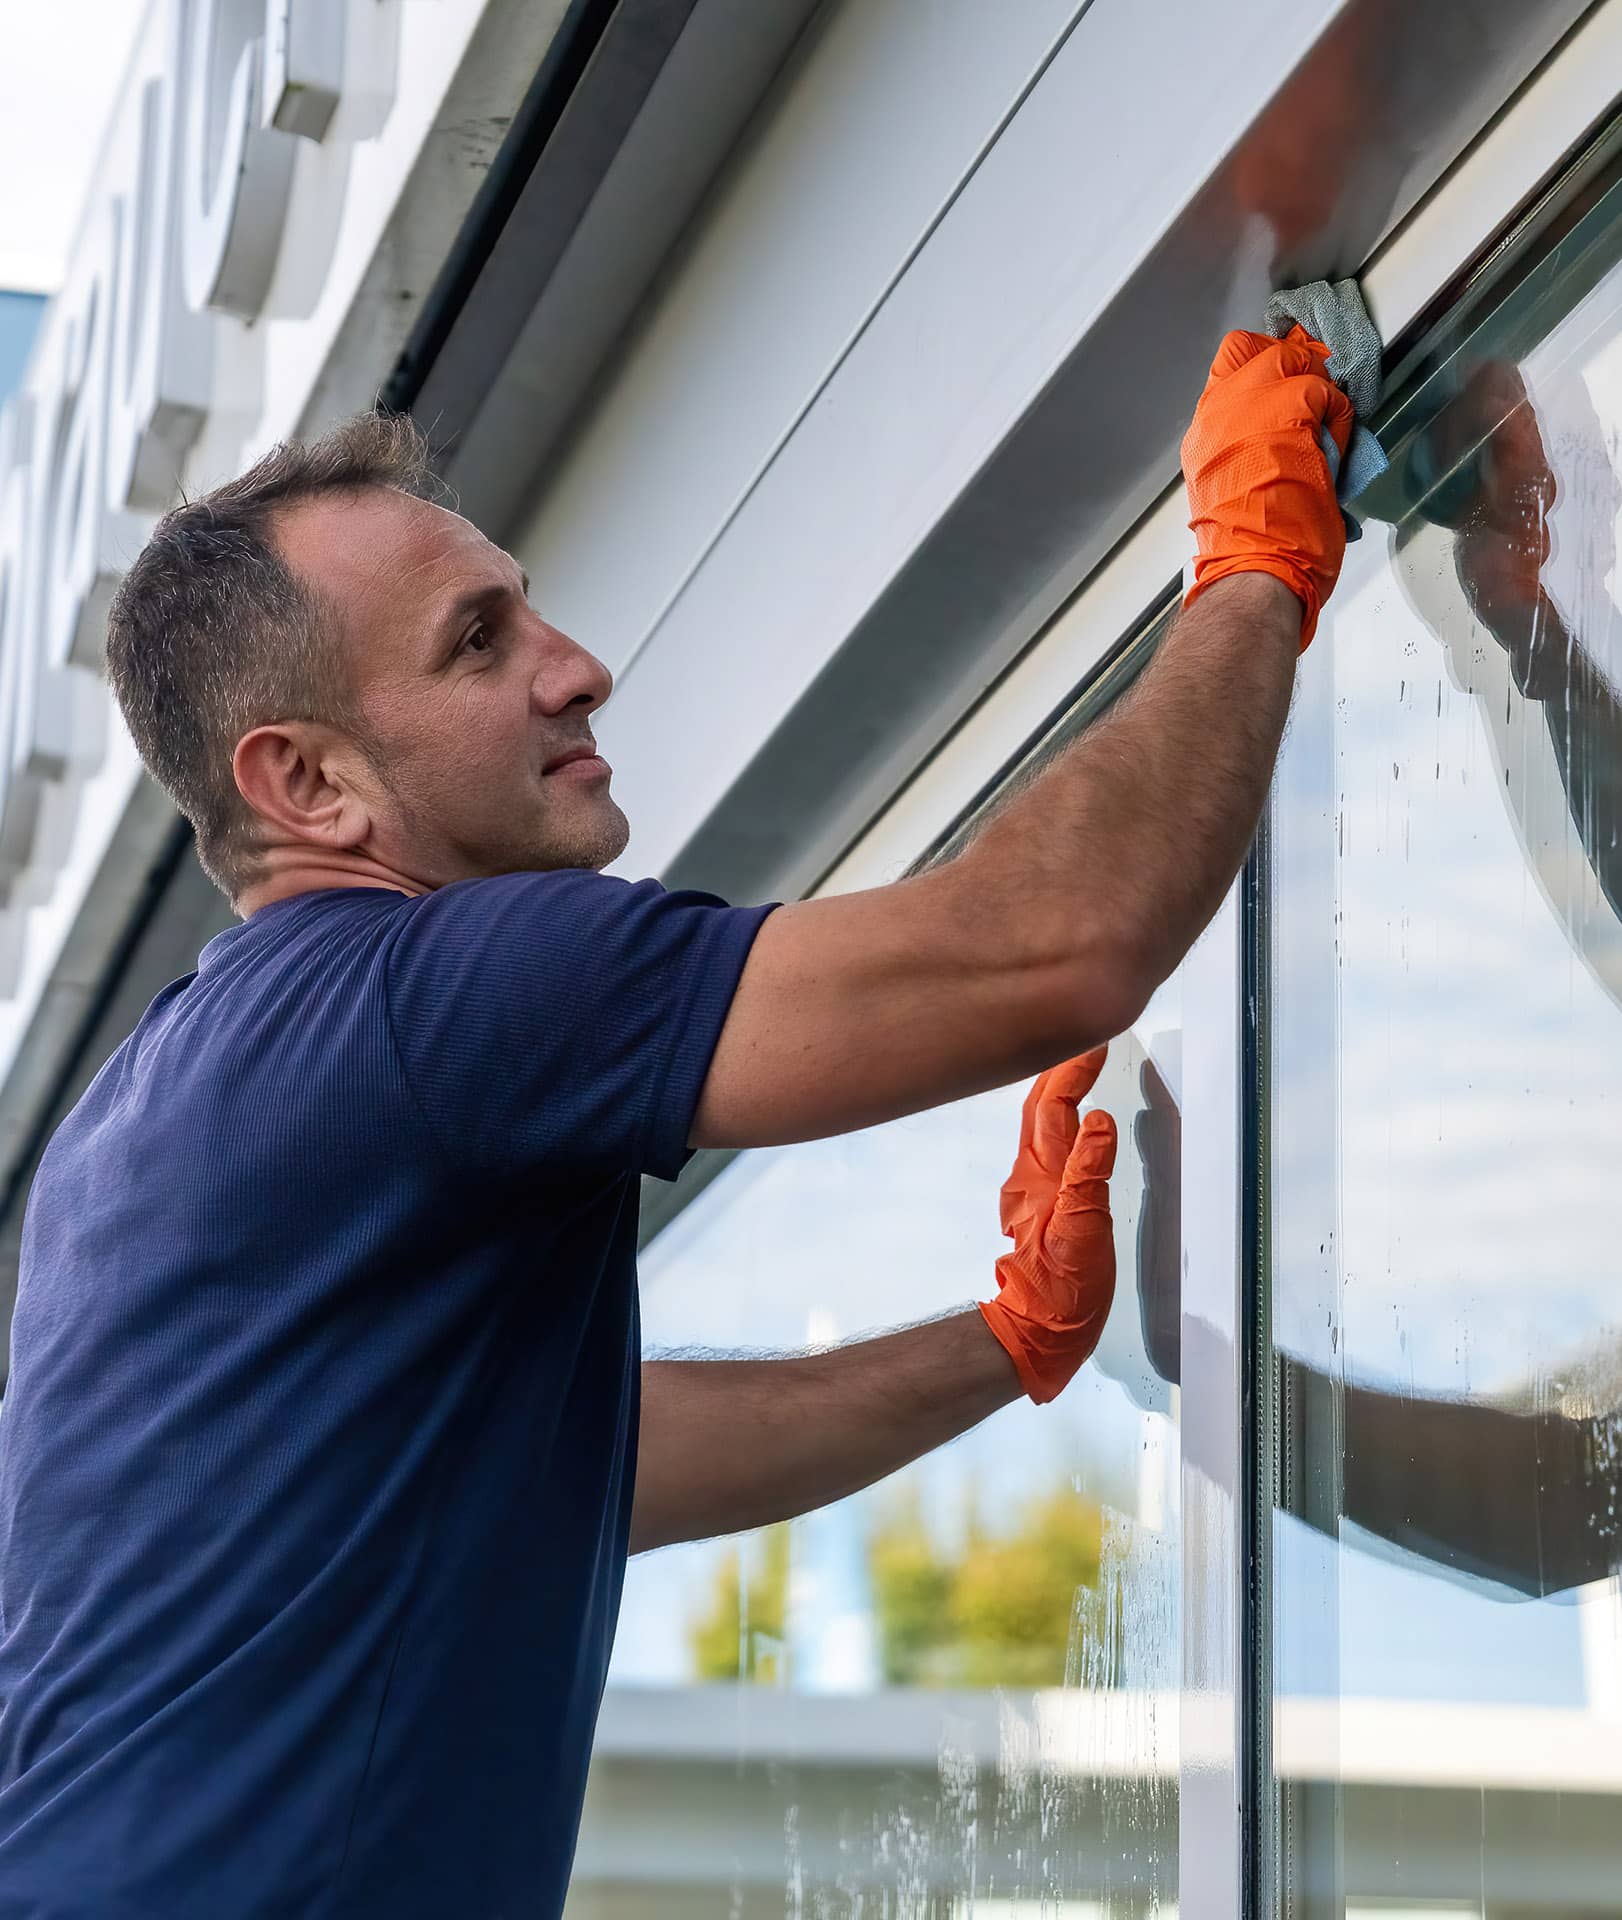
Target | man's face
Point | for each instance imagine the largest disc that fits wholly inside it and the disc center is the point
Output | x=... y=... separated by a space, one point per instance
x=478 y=712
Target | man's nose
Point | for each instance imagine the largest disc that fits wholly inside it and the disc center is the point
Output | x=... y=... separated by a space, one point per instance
x=566 y=675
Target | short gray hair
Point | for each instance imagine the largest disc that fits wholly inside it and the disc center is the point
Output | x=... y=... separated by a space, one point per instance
x=211 y=634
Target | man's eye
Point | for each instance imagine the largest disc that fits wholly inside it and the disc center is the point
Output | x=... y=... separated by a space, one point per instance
x=476 y=641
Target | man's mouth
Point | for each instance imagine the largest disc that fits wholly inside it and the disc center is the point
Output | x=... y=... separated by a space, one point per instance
x=580 y=763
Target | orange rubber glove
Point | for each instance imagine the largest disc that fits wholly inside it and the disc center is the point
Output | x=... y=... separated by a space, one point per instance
x=1055 y=1288
x=1259 y=493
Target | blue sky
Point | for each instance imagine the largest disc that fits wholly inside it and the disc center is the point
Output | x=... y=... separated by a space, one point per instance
x=19 y=321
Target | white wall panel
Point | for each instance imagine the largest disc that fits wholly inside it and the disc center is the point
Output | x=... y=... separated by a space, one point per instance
x=1068 y=201
x=882 y=114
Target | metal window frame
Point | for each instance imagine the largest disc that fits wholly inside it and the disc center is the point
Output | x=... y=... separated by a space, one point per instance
x=1449 y=249
x=1227 y=1817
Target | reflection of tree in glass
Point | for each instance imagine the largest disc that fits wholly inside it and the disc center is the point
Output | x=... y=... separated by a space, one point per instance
x=912 y=1591
x=996 y=1613
x=739 y=1636
x=996 y=1610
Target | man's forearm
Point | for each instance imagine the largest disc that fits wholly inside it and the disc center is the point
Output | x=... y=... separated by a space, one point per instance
x=732 y=1444
x=1124 y=845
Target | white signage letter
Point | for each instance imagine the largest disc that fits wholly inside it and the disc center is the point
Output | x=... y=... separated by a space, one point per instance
x=162 y=353
x=77 y=583
x=304 y=65
x=238 y=171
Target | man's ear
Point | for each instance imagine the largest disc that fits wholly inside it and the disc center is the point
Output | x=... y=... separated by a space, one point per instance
x=297 y=777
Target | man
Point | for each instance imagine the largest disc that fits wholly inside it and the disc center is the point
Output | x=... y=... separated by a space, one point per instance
x=319 y=1462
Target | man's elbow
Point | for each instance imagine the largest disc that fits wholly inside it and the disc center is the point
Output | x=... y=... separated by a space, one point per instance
x=1090 y=996
x=1112 y=991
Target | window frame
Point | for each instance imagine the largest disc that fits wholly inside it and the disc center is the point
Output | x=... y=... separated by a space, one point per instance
x=1508 y=190
x=1443 y=252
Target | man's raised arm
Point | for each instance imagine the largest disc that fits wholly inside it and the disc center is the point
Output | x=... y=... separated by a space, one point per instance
x=1048 y=933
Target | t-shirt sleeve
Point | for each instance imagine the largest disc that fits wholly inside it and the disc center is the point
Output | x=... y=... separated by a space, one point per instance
x=563 y=1021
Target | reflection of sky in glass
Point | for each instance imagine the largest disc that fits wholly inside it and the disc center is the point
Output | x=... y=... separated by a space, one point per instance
x=825 y=1241
x=1449 y=1052
x=1405 y=1635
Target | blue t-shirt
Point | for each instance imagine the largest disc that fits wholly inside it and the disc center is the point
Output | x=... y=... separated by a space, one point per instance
x=317 y=1453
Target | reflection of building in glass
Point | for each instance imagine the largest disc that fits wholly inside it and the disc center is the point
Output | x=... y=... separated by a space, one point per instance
x=683 y=1818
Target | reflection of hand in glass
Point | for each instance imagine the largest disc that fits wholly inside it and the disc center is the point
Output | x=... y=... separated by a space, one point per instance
x=1485 y=466
x=1158 y=1135
x=1496 y=489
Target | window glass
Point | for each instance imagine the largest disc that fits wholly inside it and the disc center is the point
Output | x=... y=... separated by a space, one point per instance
x=956 y=1691
x=1446 y=1072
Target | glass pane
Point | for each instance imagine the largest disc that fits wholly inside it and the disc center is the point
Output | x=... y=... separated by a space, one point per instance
x=1446 y=1211
x=955 y=1692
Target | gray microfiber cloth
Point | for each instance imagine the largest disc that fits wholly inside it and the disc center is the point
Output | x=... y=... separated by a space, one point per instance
x=1335 y=314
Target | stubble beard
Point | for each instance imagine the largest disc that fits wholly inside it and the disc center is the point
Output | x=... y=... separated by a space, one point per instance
x=547 y=847
x=539 y=847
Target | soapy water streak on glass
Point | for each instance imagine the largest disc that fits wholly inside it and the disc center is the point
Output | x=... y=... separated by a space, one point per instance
x=957 y=1692
x=1447 y=1213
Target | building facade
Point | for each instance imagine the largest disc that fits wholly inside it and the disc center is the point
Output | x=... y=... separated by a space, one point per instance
x=825 y=366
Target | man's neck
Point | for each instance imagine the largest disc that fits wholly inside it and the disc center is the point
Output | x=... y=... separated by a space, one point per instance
x=313 y=876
